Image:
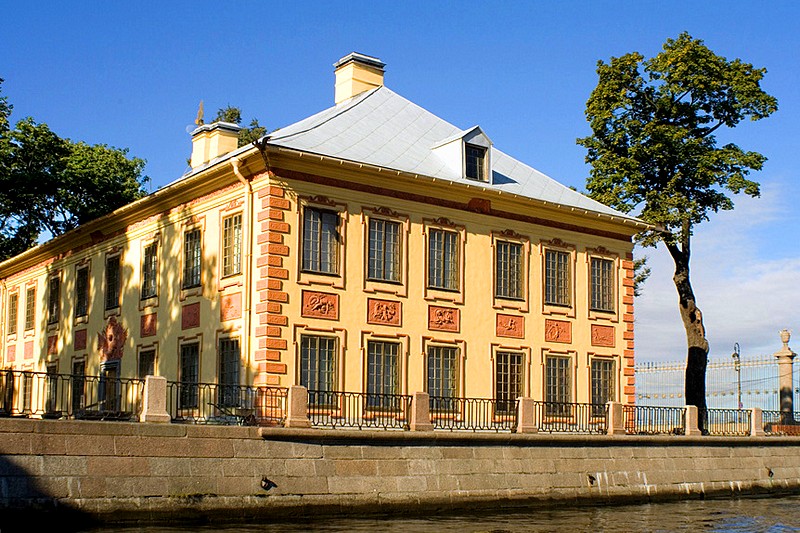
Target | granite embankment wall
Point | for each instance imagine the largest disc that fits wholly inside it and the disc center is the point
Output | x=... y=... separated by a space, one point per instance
x=114 y=471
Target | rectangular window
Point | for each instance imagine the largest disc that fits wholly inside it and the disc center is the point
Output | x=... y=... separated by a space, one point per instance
x=508 y=268
x=383 y=376
x=443 y=260
x=147 y=363
x=27 y=391
x=189 y=376
x=110 y=387
x=508 y=380
x=321 y=241
x=78 y=387
x=442 y=377
x=191 y=259
x=602 y=385
x=229 y=364
x=13 y=309
x=475 y=167
x=383 y=262
x=82 y=291
x=318 y=369
x=602 y=282
x=232 y=245
x=150 y=271
x=53 y=299
x=51 y=404
x=557 y=278
x=112 y=281
x=558 y=385
x=30 y=308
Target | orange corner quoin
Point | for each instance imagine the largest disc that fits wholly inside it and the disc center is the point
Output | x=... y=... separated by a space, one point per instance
x=370 y=248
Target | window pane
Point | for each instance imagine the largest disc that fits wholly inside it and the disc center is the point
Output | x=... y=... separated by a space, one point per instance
x=147 y=363
x=191 y=259
x=443 y=260
x=149 y=272
x=229 y=363
x=557 y=278
x=82 y=291
x=53 y=300
x=602 y=383
x=475 y=162
x=383 y=251
x=602 y=281
x=232 y=245
x=189 y=376
x=112 y=282
x=13 y=307
x=382 y=374
x=78 y=386
x=508 y=380
x=558 y=385
x=318 y=369
x=508 y=268
x=30 y=308
x=320 y=241
x=442 y=376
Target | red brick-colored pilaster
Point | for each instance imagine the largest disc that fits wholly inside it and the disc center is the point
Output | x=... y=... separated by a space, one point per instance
x=629 y=388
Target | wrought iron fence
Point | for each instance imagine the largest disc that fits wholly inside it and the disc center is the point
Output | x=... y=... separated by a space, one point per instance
x=649 y=420
x=358 y=410
x=473 y=414
x=781 y=423
x=563 y=417
x=726 y=422
x=39 y=394
x=211 y=403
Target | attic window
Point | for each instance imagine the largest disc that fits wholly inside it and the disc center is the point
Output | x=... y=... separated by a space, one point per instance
x=475 y=162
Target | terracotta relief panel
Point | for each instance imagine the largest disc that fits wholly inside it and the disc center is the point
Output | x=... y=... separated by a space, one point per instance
x=230 y=307
x=384 y=312
x=148 y=325
x=80 y=339
x=320 y=305
x=603 y=336
x=28 y=350
x=11 y=354
x=443 y=318
x=557 y=331
x=190 y=316
x=111 y=341
x=510 y=326
x=52 y=345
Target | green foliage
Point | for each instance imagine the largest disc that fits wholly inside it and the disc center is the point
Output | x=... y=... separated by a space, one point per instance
x=640 y=274
x=247 y=134
x=49 y=184
x=653 y=147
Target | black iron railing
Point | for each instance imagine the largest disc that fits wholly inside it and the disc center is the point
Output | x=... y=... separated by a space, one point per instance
x=334 y=409
x=725 y=422
x=39 y=394
x=473 y=414
x=211 y=403
x=562 y=417
x=647 y=420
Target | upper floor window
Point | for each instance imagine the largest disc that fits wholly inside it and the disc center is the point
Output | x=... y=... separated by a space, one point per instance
x=232 y=245
x=82 y=291
x=508 y=270
x=602 y=284
x=321 y=241
x=53 y=299
x=113 y=284
x=443 y=260
x=30 y=308
x=508 y=380
x=191 y=259
x=13 y=307
x=383 y=261
x=475 y=162
x=318 y=368
x=557 y=278
x=150 y=271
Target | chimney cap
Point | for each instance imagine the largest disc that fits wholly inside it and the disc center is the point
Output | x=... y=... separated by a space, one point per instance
x=227 y=126
x=360 y=58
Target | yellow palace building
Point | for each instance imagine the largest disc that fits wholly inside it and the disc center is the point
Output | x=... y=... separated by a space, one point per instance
x=372 y=247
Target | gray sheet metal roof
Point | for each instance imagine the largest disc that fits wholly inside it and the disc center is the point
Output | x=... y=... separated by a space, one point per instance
x=381 y=128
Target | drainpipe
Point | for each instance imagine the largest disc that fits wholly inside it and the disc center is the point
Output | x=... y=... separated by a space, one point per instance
x=248 y=265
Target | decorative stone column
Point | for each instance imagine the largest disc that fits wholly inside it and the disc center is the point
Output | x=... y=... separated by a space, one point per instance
x=785 y=356
x=420 y=412
x=154 y=400
x=616 y=419
x=297 y=408
x=526 y=416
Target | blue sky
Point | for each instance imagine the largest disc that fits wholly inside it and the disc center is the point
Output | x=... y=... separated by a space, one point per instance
x=132 y=74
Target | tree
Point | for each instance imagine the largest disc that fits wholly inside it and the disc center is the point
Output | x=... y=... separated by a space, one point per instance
x=247 y=134
x=653 y=151
x=51 y=185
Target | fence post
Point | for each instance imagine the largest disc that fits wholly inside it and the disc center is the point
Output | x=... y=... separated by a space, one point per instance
x=690 y=425
x=154 y=400
x=297 y=415
x=756 y=422
x=616 y=419
x=421 y=412
x=526 y=416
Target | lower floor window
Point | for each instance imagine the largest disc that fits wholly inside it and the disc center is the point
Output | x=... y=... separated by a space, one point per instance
x=318 y=369
x=558 y=385
x=442 y=377
x=229 y=364
x=147 y=363
x=383 y=376
x=508 y=381
x=602 y=384
x=189 y=376
x=110 y=387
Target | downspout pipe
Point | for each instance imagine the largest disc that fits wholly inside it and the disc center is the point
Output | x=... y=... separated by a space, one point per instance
x=248 y=265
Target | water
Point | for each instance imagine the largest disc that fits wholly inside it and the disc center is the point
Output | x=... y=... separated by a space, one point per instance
x=776 y=515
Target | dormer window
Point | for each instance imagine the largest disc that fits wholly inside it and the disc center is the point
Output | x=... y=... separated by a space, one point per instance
x=475 y=162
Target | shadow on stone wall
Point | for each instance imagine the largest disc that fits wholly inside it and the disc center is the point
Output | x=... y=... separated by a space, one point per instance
x=26 y=506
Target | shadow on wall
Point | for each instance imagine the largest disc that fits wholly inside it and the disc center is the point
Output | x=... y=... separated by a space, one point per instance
x=27 y=506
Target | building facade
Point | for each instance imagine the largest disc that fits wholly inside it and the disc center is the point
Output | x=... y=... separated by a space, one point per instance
x=372 y=247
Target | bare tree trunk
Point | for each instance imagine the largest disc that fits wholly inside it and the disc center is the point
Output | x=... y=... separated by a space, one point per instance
x=697 y=344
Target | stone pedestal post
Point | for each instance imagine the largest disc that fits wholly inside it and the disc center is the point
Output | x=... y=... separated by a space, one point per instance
x=526 y=416
x=690 y=424
x=154 y=400
x=756 y=422
x=785 y=357
x=616 y=419
x=297 y=408
x=421 y=412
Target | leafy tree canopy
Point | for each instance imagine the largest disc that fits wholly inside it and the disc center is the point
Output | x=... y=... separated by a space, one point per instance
x=50 y=184
x=247 y=134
